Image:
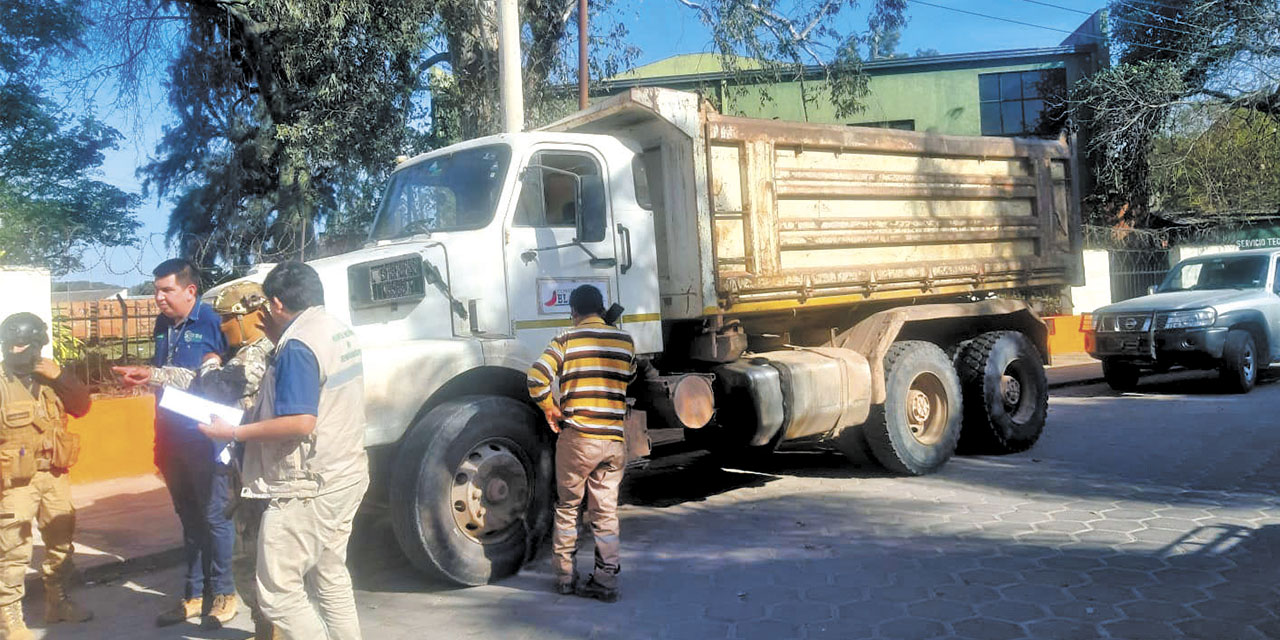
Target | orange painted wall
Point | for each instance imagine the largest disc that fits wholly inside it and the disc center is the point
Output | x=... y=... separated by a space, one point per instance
x=1064 y=334
x=117 y=439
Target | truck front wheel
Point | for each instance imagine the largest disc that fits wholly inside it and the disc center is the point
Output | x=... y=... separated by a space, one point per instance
x=1006 y=395
x=471 y=490
x=916 y=429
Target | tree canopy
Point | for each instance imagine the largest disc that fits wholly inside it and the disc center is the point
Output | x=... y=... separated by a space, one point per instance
x=52 y=207
x=1189 y=74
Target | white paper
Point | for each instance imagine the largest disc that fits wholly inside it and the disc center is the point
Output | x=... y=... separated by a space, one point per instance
x=197 y=408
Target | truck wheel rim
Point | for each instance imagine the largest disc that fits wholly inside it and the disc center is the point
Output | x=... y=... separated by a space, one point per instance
x=1018 y=391
x=490 y=491
x=927 y=408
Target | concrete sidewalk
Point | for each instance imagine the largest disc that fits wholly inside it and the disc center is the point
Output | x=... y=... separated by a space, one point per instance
x=1071 y=369
x=122 y=526
x=128 y=525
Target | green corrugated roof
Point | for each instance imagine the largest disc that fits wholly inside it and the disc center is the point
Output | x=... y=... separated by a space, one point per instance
x=684 y=64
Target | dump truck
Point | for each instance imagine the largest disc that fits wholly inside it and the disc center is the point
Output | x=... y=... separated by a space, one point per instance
x=787 y=285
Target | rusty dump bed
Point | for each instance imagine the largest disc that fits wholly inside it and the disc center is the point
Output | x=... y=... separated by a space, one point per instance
x=763 y=215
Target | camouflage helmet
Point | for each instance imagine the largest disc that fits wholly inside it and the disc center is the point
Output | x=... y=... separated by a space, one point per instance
x=239 y=298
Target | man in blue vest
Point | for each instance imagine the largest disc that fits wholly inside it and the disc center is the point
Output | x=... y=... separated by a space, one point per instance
x=187 y=333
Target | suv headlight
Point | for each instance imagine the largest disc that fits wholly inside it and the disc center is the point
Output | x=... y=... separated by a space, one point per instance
x=1187 y=319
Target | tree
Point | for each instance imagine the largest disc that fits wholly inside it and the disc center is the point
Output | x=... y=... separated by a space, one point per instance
x=780 y=39
x=51 y=206
x=1218 y=164
x=1176 y=56
x=280 y=107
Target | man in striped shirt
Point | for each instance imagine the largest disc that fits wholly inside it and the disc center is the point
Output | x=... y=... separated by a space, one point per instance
x=592 y=364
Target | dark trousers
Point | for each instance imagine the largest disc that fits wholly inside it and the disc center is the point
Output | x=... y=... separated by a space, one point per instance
x=201 y=488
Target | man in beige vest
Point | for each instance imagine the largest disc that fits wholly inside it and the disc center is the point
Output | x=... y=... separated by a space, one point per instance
x=304 y=455
x=242 y=308
x=36 y=450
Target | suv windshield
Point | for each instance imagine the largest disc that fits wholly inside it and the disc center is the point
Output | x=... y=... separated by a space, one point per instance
x=446 y=193
x=1244 y=272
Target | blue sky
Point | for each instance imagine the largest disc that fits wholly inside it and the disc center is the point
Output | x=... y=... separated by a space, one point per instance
x=660 y=28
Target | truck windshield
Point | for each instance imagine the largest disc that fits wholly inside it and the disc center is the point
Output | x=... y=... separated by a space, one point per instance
x=1244 y=272
x=446 y=193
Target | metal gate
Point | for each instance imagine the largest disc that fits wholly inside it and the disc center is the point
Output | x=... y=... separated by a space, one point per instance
x=1133 y=271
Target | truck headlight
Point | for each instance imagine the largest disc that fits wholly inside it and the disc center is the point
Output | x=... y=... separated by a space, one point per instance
x=1187 y=319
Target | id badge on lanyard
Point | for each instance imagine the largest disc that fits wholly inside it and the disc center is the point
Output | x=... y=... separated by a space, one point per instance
x=172 y=341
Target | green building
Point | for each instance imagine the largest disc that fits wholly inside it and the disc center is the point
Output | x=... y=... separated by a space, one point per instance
x=1011 y=92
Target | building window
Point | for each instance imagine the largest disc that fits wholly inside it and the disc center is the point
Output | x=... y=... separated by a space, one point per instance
x=902 y=125
x=1022 y=102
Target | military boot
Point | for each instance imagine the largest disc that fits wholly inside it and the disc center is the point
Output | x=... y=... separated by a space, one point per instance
x=59 y=608
x=12 y=626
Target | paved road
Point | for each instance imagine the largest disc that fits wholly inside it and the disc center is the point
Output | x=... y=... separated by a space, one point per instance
x=1147 y=515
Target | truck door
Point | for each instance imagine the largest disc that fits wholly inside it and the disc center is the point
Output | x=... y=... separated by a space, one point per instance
x=545 y=258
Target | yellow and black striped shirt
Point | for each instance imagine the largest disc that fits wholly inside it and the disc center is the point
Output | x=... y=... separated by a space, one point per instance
x=593 y=362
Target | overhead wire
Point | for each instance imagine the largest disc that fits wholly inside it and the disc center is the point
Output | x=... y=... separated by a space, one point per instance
x=1039 y=26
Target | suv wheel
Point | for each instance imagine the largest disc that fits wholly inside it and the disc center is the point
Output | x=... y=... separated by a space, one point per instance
x=1239 y=371
x=1121 y=376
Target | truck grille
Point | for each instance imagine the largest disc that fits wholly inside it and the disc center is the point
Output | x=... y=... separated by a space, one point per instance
x=1123 y=322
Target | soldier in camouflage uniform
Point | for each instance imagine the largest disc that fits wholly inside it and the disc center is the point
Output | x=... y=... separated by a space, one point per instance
x=36 y=451
x=235 y=382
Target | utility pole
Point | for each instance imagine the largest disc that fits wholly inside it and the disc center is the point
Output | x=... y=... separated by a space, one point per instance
x=510 y=92
x=583 y=78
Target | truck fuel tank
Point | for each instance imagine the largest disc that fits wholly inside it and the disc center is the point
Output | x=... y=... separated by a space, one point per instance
x=825 y=388
x=800 y=392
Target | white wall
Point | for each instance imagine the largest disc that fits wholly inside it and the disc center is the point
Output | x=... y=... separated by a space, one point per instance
x=26 y=289
x=1182 y=253
x=1096 y=291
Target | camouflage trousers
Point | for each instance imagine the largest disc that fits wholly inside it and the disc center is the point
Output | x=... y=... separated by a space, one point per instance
x=47 y=500
x=587 y=470
x=244 y=555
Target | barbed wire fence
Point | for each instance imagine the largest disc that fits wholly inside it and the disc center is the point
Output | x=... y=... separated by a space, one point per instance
x=92 y=336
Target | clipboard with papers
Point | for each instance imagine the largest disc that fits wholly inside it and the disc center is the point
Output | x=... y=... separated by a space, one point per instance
x=201 y=410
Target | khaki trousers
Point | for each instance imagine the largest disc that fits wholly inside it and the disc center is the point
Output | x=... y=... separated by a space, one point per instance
x=590 y=468
x=47 y=500
x=302 y=558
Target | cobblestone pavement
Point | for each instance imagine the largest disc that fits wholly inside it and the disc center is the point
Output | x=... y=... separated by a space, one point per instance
x=1147 y=515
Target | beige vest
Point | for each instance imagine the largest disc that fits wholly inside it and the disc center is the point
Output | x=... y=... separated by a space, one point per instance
x=29 y=427
x=332 y=458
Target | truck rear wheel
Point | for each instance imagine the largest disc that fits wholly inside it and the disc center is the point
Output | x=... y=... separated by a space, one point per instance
x=916 y=429
x=471 y=490
x=1006 y=394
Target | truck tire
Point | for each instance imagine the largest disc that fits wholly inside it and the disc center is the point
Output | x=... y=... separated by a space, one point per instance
x=1239 y=371
x=1120 y=376
x=471 y=489
x=1006 y=394
x=916 y=429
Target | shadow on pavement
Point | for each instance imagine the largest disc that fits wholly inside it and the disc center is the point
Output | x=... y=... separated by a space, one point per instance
x=832 y=566
x=1194 y=383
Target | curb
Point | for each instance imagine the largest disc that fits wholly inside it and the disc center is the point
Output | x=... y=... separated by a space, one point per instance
x=1076 y=383
x=116 y=569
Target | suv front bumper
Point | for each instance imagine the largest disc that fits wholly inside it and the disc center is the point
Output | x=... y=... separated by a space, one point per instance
x=1184 y=347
